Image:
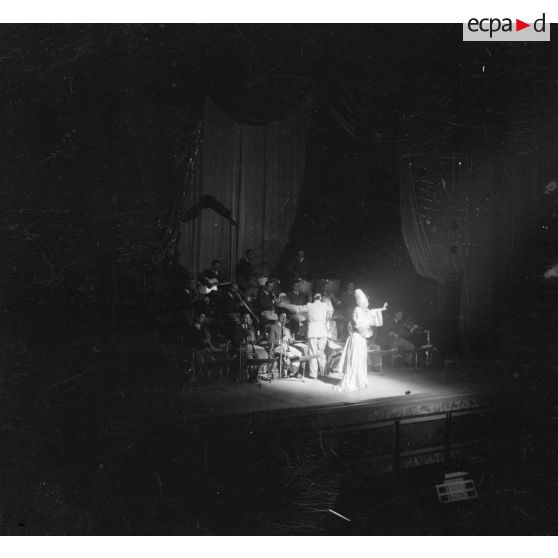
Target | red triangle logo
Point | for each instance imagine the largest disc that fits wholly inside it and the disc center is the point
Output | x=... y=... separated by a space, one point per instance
x=519 y=25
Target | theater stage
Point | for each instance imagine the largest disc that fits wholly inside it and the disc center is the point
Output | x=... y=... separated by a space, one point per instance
x=405 y=417
x=392 y=388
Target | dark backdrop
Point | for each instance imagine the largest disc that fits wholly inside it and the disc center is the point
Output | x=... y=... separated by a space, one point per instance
x=99 y=122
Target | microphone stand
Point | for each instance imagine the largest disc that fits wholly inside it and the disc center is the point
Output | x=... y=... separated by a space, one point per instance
x=255 y=356
x=208 y=339
x=243 y=302
x=244 y=344
x=281 y=352
x=240 y=360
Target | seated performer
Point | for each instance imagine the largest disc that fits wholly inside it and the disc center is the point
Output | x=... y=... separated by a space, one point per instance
x=281 y=340
x=399 y=334
x=354 y=359
x=300 y=267
x=266 y=302
x=230 y=303
x=295 y=296
x=210 y=278
x=205 y=305
x=244 y=341
x=199 y=339
x=245 y=270
x=417 y=332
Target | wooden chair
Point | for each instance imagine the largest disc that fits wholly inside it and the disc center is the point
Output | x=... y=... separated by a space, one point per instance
x=254 y=368
x=217 y=362
x=425 y=353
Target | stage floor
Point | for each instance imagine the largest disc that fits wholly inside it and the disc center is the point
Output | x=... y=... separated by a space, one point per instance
x=392 y=387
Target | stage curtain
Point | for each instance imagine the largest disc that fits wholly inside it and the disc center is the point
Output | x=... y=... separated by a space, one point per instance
x=420 y=222
x=448 y=218
x=256 y=172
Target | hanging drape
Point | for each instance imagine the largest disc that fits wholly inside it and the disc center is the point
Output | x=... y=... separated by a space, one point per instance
x=431 y=242
x=256 y=172
x=449 y=226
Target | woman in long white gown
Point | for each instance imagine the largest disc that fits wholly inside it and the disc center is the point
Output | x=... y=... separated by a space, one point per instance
x=354 y=358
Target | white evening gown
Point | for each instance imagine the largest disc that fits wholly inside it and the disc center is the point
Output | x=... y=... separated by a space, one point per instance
x=354 y=358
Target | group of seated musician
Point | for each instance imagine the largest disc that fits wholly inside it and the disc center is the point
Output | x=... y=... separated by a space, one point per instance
x=250 y=323
x=254 y=317
x=243 y=343
x=404 y=336
x=308 y=321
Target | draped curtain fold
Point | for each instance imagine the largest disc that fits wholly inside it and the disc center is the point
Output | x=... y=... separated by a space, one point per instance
x=429 y=259
x=447 y=209
x=256 y=172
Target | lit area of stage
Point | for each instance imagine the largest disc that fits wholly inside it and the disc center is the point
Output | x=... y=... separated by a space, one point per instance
x=392 y=387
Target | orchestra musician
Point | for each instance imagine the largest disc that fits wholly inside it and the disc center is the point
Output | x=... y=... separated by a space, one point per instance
x=266 y=302
x=244 y=340
x=300 y=267
x=404 y=335
x=281 y=340
x=231 y=303
x=201 y=342
x=245 y=269
x=211 y=277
